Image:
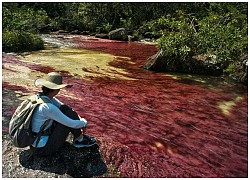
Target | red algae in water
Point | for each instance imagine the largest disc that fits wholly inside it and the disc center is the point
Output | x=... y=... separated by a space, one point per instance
x=157 y=126
x=171 y=128
x=15 y=87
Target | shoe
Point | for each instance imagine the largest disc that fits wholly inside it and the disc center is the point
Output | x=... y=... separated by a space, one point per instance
x=84 y=141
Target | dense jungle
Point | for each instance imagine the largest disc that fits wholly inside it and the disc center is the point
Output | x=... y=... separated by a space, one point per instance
x=163 y=85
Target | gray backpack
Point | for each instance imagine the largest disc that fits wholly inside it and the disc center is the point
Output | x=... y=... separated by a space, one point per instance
x=20 y=124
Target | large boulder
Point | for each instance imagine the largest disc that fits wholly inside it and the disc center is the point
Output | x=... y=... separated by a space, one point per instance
x=195 y=65
x=118 y=34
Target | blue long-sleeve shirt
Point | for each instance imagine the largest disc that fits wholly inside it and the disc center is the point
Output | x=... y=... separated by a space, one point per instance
x=51 y=111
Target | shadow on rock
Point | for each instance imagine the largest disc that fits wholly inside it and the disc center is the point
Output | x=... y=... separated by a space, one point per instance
x=83 y=162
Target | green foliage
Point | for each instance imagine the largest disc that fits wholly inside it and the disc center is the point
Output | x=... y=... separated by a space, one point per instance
x=105 y=28
x=16 y=41
x=179 y=35
x=185 y=29
x=230 y=68
x=20 y=24
x=221 y=34
x=224 y=35
x=126 y=23
x=23 y=18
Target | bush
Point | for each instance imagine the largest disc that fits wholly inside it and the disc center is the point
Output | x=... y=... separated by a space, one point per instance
x=18 y=41
x=20 y=25
x=178 y=36
x=23 y=18
x=223 y=35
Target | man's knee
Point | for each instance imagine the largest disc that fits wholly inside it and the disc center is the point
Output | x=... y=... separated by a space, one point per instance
x=68 y=111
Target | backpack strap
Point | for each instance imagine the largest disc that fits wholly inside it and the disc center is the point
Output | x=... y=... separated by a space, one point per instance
x=39 y=134
x=39 y=100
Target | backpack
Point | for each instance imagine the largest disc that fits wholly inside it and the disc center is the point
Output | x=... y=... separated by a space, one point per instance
x=20 y=124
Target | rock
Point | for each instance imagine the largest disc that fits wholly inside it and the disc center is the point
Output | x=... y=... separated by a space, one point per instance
x=103 y=36
x=82 y=162
x=142 y=30
x=85 y=33
x=156 y=62
x=60 y=32
x=196 y=65
x=148 y=35
x=132 y=38
x=118 y=34
x=75 y=32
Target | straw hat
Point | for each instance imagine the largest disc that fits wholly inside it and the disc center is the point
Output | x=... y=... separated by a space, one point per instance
x=53 y=80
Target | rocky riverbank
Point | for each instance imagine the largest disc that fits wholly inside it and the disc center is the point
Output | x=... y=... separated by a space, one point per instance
x=69 y=162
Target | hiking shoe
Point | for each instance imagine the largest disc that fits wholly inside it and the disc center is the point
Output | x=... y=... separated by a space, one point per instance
x=84 y=141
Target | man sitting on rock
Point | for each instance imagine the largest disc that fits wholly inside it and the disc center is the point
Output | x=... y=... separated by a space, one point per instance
x=62 y=119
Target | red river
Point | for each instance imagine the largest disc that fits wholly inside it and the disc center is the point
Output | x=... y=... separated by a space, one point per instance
x=156 y=125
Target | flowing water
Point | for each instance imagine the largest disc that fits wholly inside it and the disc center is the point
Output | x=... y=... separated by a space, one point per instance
x=150 y=124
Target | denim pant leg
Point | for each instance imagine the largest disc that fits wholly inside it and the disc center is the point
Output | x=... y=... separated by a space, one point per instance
x=73 y=115
x=58 y=136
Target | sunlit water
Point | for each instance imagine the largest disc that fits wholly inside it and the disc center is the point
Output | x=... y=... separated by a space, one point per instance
x=150 y=124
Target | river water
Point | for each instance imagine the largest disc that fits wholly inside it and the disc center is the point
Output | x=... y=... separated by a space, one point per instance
x=149 y=124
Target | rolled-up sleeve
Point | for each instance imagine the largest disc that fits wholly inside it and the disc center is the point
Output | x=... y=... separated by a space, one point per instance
x=56 y=102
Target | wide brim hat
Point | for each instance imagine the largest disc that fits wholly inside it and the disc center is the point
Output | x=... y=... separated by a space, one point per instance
x=53 y=80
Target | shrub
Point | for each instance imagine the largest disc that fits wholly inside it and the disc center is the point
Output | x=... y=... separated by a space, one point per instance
x=18 y=41
x=20 y=25
x=178 y=36
x=23 y=18
x=223 y=35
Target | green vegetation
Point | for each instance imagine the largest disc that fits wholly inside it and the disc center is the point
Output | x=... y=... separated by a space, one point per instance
x=20 y=28
x=17 y=41
x=182 y=30
x=223 y=35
